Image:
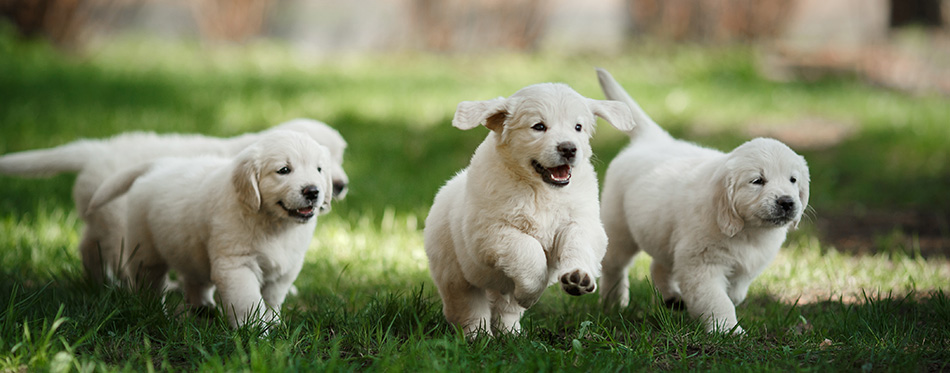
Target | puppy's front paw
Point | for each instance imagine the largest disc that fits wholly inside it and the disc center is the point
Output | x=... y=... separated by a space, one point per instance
x=577 y=282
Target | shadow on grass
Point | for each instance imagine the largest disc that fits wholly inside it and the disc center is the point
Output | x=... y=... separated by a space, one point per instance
x=365 y=327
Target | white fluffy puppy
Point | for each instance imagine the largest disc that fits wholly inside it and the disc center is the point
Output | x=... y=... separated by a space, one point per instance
x=241 y=225
x=525 y=212
x=101 y=246
x=711 y=221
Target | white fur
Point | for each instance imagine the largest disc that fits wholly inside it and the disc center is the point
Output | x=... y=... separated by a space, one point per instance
x=225 y=223
x=102 y=244
x=700 y=214
x=497 y=234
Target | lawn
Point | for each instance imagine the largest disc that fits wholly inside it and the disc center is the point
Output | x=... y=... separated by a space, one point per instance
x=366 y=302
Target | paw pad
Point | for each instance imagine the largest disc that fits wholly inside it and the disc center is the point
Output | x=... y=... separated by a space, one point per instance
x=577 y=283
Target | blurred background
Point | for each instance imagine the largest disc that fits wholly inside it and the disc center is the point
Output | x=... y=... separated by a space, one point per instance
x=860 y=87
x=803 y=37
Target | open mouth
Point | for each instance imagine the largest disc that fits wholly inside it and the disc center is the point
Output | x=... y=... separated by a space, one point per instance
x=303 y=213
x=558 y=176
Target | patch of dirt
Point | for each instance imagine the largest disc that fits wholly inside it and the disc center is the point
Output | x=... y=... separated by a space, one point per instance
x=803 y=134
x=913 y=62
x=870 y=232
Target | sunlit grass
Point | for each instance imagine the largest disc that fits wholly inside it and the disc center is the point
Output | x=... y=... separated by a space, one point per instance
x=365 y=299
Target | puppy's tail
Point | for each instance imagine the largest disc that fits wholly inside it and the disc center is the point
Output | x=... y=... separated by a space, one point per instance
x=71 y=157
x=116 y=185
x=645 y=127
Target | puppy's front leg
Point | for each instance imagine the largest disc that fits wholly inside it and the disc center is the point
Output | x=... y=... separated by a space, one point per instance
x=274 y=294
x=579 y=255
x=704 y=289
x=239 y=287
x=521 y=258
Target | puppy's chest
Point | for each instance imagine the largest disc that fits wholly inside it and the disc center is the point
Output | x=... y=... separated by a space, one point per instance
x=277 y=258
x=542 y=224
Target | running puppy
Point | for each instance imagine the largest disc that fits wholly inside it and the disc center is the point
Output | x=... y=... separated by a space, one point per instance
x=711 y=221
x=524 y=214
x=240 y=225
x=102 y=247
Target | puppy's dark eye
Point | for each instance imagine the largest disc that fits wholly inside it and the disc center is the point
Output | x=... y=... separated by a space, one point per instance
x=283 y=170
x=758 y=181
x=793 y=180
x=578 y=127
x=539 y=127
x=319 y=169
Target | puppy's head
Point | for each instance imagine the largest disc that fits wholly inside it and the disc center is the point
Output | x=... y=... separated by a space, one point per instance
x=543 y=131
x=763 y=184
x=285 y=175
x=330 y=138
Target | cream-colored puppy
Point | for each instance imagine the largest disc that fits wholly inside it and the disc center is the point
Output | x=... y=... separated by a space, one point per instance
x=711 y=221
x=101 y=246
x=524 y=213
x=241 y=225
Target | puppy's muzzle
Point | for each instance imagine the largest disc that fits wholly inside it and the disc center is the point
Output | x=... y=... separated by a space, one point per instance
x=311 y=192
x=784 y=210
x=786 y=204
x=568 y=151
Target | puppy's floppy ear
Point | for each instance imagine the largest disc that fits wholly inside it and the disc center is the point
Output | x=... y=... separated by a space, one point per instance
x=470 y=114
x=324 y=207
x=616 y=113
x=245 y=177
x=727 y=216
x=803 y=186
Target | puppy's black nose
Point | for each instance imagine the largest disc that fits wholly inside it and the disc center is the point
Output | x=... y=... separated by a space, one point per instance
x=311 y=192
x=787 y=203
x=567 y=150
x=338 y=187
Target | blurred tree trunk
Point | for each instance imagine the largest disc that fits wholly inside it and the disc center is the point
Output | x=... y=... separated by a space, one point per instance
x=67 y=23
x=230 y=20
x=916 y=12
x=444 y=25
x=710 y=20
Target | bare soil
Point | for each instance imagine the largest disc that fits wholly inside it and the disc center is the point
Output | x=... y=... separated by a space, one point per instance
x=870 y=232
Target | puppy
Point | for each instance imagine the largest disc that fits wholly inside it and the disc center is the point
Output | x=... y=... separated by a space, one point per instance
x=711 y=221
x=101 y=246
x=240 y=225
x=524 y=213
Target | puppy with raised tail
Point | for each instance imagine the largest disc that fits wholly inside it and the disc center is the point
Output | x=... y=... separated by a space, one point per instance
x=711 y=221
x=102 y=247
x=524 y=214
x=241 y=225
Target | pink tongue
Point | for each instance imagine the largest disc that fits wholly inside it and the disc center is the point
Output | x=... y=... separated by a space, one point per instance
x=560 y=172
x=305 y=210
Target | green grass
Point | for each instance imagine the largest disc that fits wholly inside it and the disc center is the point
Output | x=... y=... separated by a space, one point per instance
x=366 y=301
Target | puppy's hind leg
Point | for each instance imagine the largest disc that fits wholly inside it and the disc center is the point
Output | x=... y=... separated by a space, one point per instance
x=148 y=272
x=467 y=307
x=663 y=281
x=621 y=248
x=198 y=293
x=506 y=313
x=91 y=253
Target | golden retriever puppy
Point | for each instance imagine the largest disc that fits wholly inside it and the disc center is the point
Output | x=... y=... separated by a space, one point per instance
x=241 y=225
x=711 y=221
x=524 y=214
x=101 y=245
